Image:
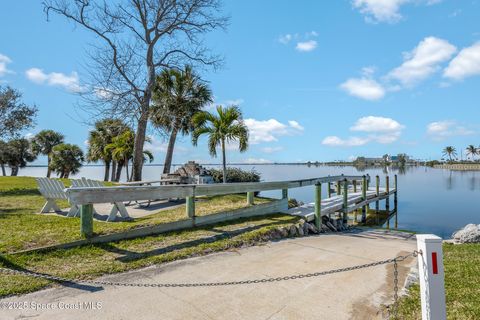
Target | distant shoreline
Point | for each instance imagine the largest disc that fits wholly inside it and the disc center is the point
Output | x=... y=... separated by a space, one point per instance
x=459 y=166
x=332 y=164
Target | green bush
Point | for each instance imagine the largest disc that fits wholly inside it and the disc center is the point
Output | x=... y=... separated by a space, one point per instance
x=432 y=163
x=235 y=175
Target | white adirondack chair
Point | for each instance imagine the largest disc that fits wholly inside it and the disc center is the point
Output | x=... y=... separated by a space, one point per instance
x=53 y=190
x=118 y=207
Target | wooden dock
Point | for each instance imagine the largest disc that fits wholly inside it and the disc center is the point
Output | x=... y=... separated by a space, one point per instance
x=348 y=198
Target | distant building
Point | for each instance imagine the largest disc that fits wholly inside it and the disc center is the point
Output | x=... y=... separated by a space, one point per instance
x=383 y=160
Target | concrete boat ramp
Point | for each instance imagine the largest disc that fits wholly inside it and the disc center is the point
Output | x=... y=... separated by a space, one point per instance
x=356 y=294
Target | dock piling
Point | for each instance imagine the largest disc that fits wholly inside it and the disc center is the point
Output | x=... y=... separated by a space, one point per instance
x=395 y=200
x=377 y=203
x=387 y=200
x=329 y=190
x=345 y=201
x=364 y=198
x=339 y=189
x=318 y=206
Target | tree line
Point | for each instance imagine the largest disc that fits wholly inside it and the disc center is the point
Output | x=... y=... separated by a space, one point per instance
x=140 y=72
x=178 y=108
x=451 y=152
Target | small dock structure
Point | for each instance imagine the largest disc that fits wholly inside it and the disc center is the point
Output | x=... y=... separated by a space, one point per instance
x=345 y=197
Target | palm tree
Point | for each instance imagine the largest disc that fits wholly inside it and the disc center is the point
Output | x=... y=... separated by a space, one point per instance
x=103 y=133
x=450 y=152
x=178 y=95
x=17 y=154
x=121 y=148
x=66 y=159
x=43 y=143
x=472 y=151
x=226 y=127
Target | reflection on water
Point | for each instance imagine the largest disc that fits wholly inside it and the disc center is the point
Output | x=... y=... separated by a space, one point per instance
x=429 y=200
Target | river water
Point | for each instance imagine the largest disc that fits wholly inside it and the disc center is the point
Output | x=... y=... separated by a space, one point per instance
x=429 y=200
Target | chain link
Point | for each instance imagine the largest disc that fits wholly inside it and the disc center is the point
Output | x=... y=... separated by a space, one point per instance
x=393 y=312
x=214 y=284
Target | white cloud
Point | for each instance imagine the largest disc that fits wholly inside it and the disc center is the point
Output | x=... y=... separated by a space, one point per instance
x=306 y=46
x=255 y=160
x=380 y=10
x=235 y=102
x=69 y=82
x=385 y=10
x=423 y=61
x=465 y=64
x=304 y=42
x=335 y=141
x=376 y=124
x=270 y=130
x=272 y=149
x=440 y=130
x=294 y=124
x=4 y=61
x=285 y=39
x=363 y=88
x=378 y=129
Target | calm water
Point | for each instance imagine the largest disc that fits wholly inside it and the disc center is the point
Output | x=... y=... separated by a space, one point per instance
x=430 y=200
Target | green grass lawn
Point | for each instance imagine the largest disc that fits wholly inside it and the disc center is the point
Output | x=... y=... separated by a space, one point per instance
x=22 y=228
x=462 y=285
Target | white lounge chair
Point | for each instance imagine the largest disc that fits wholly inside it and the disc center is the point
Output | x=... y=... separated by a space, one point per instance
x=53 y=190
x=118 y=207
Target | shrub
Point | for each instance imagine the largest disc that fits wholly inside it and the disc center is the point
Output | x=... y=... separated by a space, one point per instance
x=432 y=163
x=235 y=175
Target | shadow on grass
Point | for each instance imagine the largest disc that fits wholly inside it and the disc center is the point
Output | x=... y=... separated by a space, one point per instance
x=20 y=192
x=4 y=262
x=129 y=256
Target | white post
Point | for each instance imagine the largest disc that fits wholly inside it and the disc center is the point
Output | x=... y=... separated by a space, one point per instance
x=432 y=283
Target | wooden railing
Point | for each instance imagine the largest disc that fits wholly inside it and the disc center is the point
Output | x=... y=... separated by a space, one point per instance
x=86 y=197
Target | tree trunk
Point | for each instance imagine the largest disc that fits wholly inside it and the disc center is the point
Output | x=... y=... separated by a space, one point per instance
x=224 y=161
x=126 y=170
x=13 y=171
x=49 y=171
x=119 y=171
x=107 y=171
x=169 y=155
x=114 y=170
x=137 y=163
x=3 y=169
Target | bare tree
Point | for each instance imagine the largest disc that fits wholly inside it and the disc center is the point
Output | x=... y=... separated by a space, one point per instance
x=135 y=38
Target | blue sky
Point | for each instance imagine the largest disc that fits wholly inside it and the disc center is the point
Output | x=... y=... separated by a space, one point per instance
x=316 y=80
